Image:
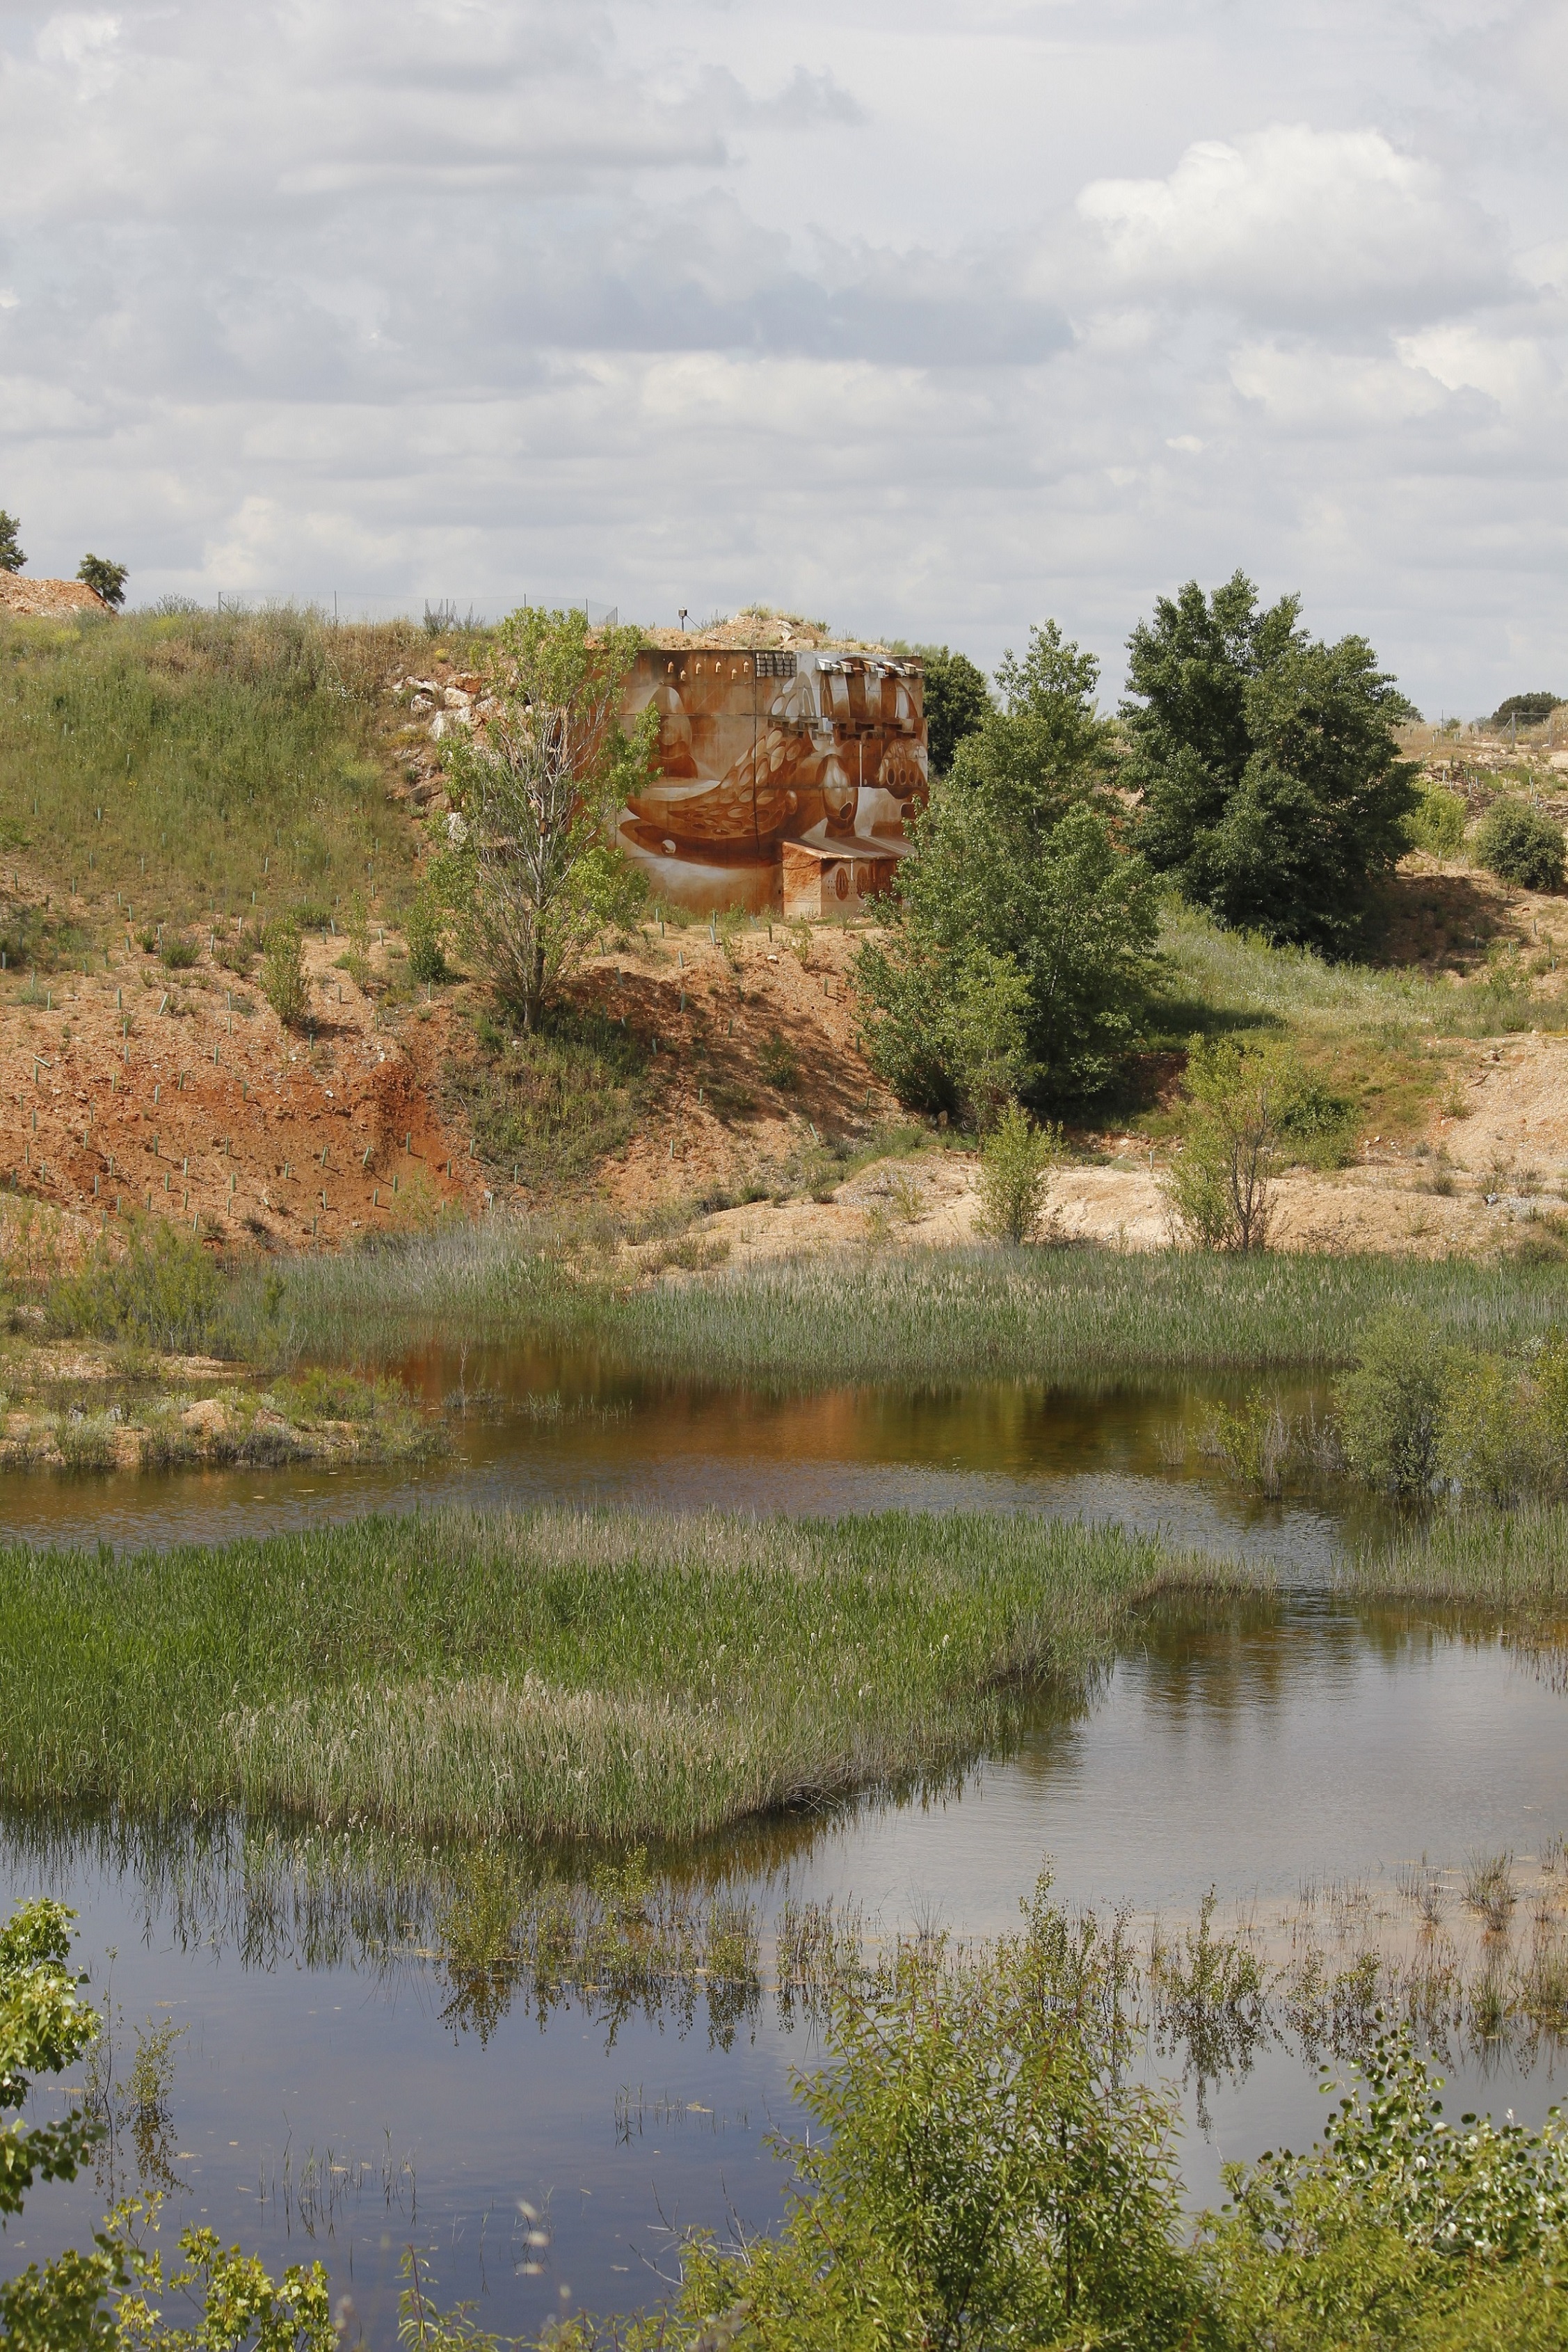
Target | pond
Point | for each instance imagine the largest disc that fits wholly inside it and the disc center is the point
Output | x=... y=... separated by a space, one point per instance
x=546 y=1427
x=1304 y=1758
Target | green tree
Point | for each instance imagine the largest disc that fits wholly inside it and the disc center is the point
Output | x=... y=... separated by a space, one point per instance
x=1272 y=790
x=1018 y=951
x=957 y=701
x=105 y=579
x=108 y=2300
x=988 y=2175
x=539 y=794
x=11 y=556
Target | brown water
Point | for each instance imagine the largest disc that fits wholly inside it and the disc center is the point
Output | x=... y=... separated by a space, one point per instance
x=1300 y=1746
x=548 y=1428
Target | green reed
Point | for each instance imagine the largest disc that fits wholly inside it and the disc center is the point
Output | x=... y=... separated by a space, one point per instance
x=594 y=1675
x=1065 y=1314
x=1514 y=1560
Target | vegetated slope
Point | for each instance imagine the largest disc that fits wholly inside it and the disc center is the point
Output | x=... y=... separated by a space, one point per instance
x=180 y=762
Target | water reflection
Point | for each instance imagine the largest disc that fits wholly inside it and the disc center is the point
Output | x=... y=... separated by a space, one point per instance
x=535 y=1427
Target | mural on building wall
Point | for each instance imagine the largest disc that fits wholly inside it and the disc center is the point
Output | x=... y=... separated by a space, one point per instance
x=785 y=777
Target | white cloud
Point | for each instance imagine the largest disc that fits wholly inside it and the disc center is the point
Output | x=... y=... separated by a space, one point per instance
x=934 y=319
x=1292 y=222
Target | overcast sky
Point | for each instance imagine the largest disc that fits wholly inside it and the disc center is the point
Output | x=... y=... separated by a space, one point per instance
x=930 y=320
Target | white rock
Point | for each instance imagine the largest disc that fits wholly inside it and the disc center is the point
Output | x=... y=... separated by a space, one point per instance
x=456 y=828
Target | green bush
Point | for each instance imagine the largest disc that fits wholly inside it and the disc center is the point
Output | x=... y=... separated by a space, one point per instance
x=776 y=1064
x=181 y=954
x=1016 y=1166
x=1390 y=1408
x=161 y=1290
x=551 y=1107
x=423 y=927
x=1437 y=823
x=283 y=980
x=1520 y=845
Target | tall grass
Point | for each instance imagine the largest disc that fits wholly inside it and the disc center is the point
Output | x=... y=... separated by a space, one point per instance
x=1510 y=1560
x=1235 y=975
x=185 y=760
x=547 y=1673
x=916 y=1316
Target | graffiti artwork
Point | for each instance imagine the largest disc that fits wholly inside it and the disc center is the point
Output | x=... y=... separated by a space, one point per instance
x=785 y=776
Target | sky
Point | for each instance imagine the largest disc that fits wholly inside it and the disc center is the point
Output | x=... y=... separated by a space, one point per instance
x=928 y=320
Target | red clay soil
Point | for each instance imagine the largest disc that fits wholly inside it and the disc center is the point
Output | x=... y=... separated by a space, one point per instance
x=134 y=1090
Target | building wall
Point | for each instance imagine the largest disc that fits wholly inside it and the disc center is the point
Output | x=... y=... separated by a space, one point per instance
x=759 y=748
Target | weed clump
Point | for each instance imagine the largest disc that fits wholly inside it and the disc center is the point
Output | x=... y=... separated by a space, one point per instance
x=283 y=981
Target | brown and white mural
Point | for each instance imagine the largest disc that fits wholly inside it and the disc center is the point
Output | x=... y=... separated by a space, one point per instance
x=785 y=775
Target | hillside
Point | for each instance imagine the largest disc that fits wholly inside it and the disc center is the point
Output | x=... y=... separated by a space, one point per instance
x=180 y=779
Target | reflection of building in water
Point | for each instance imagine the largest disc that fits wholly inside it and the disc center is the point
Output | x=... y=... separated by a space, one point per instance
x=785 y=774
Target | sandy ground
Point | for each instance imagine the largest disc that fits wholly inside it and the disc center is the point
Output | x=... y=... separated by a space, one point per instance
x=135 y=1088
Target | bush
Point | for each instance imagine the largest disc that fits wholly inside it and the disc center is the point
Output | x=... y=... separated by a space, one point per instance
x=1437 y=823
x=426 y=952
x=1221 y=1189
x=161 y=1291
x=283 y=980
x=1016 y=1167
x=181 y=955
x=776 y=1064
x=1520 y=845
x=1390 y=1407
x=551 y=1107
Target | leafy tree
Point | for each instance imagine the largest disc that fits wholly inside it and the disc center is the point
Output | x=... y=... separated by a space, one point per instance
x=1530 y=709
x=107 y=2301
x=1018 y=949
x=539 y=796
x=1520 y=845
x=105 y=579
x=958 y=700
x=987 y=2176
x=1272 y=788
x=11 y=556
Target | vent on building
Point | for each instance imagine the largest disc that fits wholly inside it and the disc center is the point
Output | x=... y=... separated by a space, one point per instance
x=775 y=664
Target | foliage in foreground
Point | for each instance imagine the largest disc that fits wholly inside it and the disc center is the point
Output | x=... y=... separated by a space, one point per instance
x=1489 y=1425
x=991 y=2175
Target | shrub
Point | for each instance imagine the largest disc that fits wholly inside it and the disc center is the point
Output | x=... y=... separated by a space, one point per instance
x=283 y=980
x=181 y=955
x=106 y=579
x=422 y=929
x=549 y=1107
x=1016 y=1167
x=1221 y=1189
x=776 y=1064
x=1437 y=823
x=1390 y=1407
x=1520 y=845
x=162 y=1291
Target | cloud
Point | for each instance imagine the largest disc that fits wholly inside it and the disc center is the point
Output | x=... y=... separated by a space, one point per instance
x=935 y=320
x=1290 y=222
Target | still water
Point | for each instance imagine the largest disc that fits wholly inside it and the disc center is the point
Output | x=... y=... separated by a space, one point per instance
x=346 y=2111
x=530 y=1428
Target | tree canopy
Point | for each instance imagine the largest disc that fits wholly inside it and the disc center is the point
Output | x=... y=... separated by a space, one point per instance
x=958 y=700
x=1271 y=788
x=11 y=556
x=1016 y=959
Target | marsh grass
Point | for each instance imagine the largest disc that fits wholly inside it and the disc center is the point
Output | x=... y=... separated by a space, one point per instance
x=1510 y=1561
x=194 y=757
x=911 y=1317
x=546 y=1673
